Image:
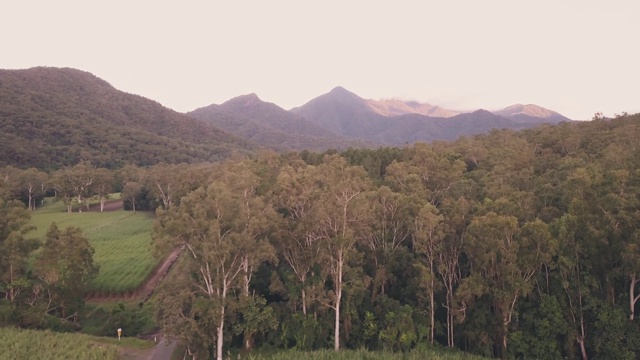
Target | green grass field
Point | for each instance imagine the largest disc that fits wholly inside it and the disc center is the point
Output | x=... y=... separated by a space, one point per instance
x=32 y=344
x=121 y=239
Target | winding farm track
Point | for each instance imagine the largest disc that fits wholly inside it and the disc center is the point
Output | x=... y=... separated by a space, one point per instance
x=147 y=288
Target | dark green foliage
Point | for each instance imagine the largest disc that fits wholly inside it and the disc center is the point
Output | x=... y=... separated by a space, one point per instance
x=614 y=336
x=542 y=330
x=517 y=245
x=524 y=247
x=51 y=118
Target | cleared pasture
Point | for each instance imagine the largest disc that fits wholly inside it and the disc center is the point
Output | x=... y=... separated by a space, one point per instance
x=19 y=344
x=121 y=239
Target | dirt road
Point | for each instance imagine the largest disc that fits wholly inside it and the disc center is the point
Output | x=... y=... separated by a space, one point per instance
x=164 y=350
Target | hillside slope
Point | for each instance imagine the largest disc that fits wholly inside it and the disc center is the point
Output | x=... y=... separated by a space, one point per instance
x=53 y=117
x=271 y=126
x=347 y=114
x=531 y=113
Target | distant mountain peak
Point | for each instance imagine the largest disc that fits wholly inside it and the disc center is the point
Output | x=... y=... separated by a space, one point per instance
x=342 y=93
x=481 y=111
x=244 y=100
x=530 y=110
x=396 y=107
x=338 y=90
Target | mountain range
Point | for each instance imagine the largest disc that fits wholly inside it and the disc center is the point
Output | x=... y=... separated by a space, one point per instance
x=347 y=114
x=52 y=117
x=272 y=126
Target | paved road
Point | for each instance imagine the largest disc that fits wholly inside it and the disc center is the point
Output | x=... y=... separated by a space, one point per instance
x=163 y=350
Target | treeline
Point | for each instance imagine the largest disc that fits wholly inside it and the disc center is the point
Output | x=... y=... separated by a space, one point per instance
x=42 y=289
x=507 y=244
x=79 y=186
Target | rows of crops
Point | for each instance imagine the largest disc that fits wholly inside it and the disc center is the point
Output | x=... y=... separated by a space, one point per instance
x=121 y=240
x=31 y=344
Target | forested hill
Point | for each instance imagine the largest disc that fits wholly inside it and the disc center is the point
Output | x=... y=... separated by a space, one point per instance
x=269 y=125
x=53 y=117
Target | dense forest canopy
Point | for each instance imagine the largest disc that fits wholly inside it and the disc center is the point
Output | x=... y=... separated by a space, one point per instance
x=51 y=118
x=508 y=244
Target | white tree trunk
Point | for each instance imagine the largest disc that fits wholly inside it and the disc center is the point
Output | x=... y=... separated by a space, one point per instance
x=336 y=340
x=220 y=336
x=632 y=296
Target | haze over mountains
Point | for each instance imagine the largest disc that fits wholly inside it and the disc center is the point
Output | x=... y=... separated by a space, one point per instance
x=272 y=126
x=51 y=117
x=345 y=113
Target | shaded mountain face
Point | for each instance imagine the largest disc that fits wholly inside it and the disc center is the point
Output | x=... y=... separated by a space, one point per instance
x=52 y=117
x=398 y=123
x=271 y=126
x=340 y=111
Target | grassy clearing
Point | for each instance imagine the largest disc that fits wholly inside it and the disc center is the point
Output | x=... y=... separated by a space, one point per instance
x=19 y=344
x=121 y=239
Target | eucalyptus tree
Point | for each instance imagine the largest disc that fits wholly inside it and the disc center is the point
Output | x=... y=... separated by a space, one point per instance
x=576 y=279
x=504 y=259
x=297 y=241
x=429 y=173
x=15 y=248
x=103 y=185
x=223 y=225
x=390 y=215
x=131 y=179
x=74 y=183
x=341 y=216
x=457 y=215
x=66 y=266
x=169 y=183
x=30 y=183
x=428 y=236
x=257 y=221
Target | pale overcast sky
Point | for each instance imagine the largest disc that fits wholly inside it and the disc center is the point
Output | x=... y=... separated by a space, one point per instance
x=575 y=57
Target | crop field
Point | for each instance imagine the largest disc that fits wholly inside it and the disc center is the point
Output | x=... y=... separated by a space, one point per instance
x=32 y=344
x=121 y=239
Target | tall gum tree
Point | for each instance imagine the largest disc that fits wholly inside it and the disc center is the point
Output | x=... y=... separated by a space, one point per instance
x=31 y=182
x=575 y=278
x=341 y=218
x=428 y=236
x=457 y=216
x=103 y=185
x=74 y=183
x=505 y=258
x=390 y=214
x=298 y=238
x=212 y=223
x=15 y=248
x=428 y=173
x=258 y=220
x=66 y=266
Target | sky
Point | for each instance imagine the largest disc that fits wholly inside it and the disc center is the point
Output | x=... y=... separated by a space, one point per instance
x=574 y=57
